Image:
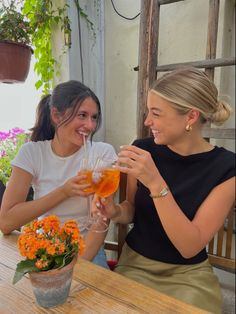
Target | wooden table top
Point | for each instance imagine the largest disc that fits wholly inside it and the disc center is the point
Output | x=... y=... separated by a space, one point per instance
x=93 y=290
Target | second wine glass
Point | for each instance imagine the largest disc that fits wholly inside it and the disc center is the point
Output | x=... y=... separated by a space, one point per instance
x=104 y=180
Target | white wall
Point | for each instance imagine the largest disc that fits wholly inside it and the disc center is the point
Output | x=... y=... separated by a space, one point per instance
x=121 y=56
x=18 y=103
x=86 y=56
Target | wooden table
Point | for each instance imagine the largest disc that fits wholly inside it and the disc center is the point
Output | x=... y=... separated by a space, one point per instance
x=93 y=290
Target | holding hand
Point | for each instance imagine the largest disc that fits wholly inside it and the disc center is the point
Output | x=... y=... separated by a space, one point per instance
x=75 y=186
x=139 y=164
x=104 y=207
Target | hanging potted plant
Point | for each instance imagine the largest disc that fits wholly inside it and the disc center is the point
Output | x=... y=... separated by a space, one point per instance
x=30 y=24
x=15 y=41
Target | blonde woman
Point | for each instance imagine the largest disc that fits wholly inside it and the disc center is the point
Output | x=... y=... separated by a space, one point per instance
x=180 y=190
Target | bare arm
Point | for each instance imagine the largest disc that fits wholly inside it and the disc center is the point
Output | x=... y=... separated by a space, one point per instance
x=15 y=211
x=189 y=237
x=93 y=242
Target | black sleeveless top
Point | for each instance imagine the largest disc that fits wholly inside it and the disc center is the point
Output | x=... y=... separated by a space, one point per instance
x=190 y=179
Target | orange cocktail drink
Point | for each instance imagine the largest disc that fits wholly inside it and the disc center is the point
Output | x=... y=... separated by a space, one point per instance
x=88 y=180
x=108 y=183
x=103 y=182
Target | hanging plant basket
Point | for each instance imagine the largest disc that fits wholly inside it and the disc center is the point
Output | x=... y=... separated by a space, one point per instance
x=14 y=62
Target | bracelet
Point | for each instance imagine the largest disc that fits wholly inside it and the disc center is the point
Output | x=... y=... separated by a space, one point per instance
x=163 y=193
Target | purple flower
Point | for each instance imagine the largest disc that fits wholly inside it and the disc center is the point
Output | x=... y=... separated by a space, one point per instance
x=3 y=153
x=10 y=143
x=16 y=131
x=3 y=135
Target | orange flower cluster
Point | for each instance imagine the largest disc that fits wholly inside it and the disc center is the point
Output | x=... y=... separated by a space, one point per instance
x=48 y=244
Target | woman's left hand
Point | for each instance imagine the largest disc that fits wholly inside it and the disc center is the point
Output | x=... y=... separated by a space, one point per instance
x=139 y=163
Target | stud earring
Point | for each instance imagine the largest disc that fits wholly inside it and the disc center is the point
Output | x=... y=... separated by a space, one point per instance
x=188 y=128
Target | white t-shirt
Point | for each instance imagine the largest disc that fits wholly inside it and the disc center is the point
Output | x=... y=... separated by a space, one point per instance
x=50 y=171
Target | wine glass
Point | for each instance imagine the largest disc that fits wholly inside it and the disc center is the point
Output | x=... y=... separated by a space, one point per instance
x=103 y=178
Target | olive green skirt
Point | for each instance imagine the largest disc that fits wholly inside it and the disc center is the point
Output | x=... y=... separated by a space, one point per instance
x=194 y=284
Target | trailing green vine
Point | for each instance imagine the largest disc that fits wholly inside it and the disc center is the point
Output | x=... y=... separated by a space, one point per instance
x=84 y=15
x=43 y=19
x=33 y=22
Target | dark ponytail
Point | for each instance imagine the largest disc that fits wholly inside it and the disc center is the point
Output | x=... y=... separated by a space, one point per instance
x=43 y=128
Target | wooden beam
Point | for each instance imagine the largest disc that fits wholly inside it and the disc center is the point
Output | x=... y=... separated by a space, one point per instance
x=213 y=17
x=222 y=262
x=111 y=246
x=210 y=63
x=148 y=47
x=168 y=1
x=218 y=133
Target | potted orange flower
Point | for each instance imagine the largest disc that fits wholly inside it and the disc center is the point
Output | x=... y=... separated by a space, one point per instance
x=51 y=252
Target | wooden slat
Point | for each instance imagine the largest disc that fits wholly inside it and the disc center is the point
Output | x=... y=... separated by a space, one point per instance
x=220 y=237
x=121 y=229
x=213 y=18
x=220 y=62
x=161 y=2
x=218 y=133
x=148 y=47
x=111 y=246
x=229 y=235
x=222 y=262
x=122 y=189
x=121 y=237
x=211 y=246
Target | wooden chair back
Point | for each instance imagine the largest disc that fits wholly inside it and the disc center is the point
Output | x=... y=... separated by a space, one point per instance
x=220 y=249
x=121 y=229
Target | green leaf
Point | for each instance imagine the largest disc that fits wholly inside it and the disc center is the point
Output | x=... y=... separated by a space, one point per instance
x=23 y=268
x=38 y=84
x=59 y=260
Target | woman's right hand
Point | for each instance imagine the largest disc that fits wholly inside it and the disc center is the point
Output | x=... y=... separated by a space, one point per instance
x=75 y=186
x=104 y=206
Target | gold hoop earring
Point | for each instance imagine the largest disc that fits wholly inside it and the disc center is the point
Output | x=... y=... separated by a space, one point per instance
x=188 y=128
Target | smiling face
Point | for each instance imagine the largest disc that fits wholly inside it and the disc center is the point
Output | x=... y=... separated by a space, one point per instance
x=166 y=123
x=82 y=124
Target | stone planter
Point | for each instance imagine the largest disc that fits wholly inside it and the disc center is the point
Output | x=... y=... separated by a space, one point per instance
x=14 y=62
x=51 y=288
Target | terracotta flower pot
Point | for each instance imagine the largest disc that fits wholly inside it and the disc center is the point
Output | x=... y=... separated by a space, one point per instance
x=51 y=288
x=14 y=62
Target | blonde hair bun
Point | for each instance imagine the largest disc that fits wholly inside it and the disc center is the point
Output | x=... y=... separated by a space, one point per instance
x=222 y=113
x=190 y=88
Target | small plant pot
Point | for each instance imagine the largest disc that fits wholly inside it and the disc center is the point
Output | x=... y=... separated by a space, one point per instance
x=51 y=288
x=14 y=62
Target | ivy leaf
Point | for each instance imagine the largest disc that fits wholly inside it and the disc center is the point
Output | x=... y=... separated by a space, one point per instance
x=23 y=268
x=38 y=84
